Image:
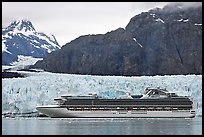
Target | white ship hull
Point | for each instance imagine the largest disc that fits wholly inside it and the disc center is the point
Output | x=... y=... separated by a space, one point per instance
x=55 y=111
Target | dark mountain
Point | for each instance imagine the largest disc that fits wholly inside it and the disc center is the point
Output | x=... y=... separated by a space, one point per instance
x=158 y=42
x=21 y=38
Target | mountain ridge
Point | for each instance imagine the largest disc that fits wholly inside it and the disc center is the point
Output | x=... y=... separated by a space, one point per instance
x=158 y=42
x=21 y=38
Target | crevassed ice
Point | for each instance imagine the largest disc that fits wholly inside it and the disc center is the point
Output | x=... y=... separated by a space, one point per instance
x=22 y=95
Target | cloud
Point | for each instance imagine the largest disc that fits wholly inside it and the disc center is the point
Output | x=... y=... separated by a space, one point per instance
x=68 y=20
x=139 y=7
x=190 y=4
x=184 y=5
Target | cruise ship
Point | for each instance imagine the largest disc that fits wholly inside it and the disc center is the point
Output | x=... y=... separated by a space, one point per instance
x=155 y=103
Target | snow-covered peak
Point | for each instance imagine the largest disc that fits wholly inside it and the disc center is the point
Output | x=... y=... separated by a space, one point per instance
x=25 y=25
x=21 y=38
x=22 y=25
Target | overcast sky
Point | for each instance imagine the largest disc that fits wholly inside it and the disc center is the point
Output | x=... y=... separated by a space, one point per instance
x=69 y=20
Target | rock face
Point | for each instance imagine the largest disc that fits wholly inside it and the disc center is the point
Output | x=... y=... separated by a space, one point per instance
x=158 y=42
x=21 y=38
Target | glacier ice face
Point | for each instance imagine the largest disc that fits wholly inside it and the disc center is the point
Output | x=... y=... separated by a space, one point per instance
x=22 y=95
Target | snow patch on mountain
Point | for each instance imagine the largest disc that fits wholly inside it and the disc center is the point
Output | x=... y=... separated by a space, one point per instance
x=24 y=61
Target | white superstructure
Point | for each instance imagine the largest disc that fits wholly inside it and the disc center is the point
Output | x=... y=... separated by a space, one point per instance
x=156 y=103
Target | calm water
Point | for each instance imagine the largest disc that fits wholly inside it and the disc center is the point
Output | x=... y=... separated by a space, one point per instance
x=101 y=126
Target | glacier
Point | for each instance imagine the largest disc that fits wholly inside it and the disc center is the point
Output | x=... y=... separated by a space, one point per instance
x=22 y=95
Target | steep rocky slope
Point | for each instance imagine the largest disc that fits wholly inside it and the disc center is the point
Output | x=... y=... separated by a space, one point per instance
x=157 y=42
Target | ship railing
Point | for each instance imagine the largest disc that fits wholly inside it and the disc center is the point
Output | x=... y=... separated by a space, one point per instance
x=128 y=105
x=125 y=107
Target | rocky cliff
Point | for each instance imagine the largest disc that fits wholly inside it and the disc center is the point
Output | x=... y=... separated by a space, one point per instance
x=158 y=42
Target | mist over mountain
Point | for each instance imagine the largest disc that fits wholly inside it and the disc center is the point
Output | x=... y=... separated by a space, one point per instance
x=21 y=39
x=165 y=41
